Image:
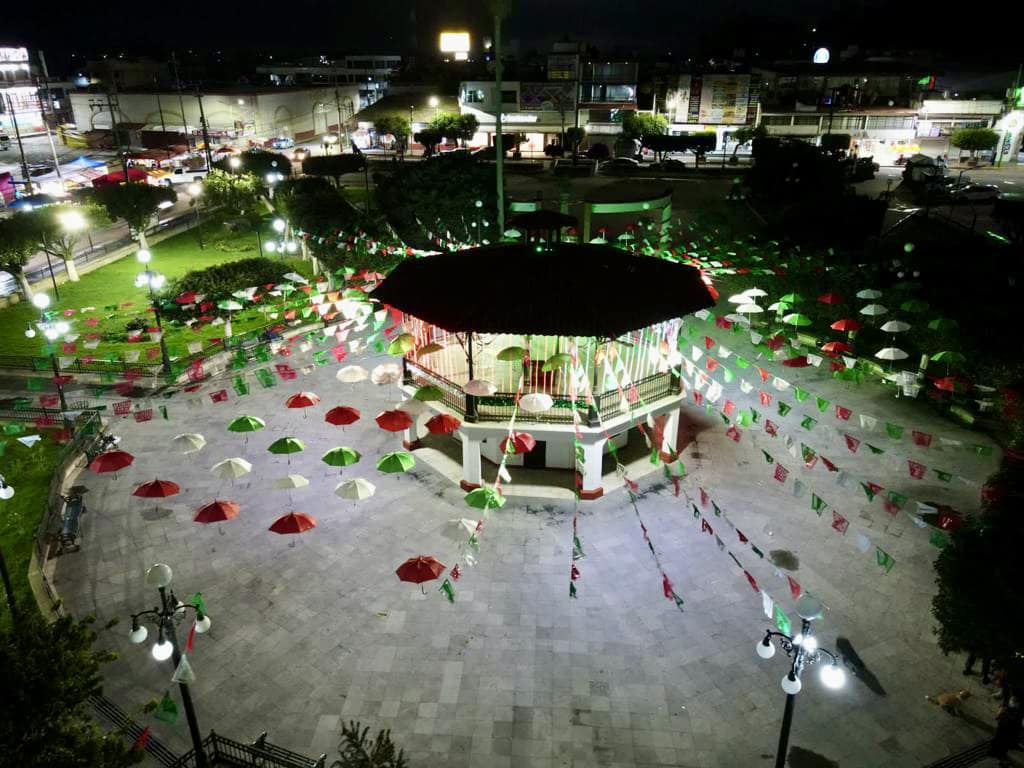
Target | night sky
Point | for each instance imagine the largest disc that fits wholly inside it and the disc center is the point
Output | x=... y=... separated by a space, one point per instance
x=687 y=28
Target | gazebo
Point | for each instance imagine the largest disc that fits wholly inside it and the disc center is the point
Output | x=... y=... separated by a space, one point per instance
x=590 y=330
x=543 y=224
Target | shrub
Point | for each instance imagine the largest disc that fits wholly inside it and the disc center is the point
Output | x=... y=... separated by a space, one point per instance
x=221 y=280
x=357 y=752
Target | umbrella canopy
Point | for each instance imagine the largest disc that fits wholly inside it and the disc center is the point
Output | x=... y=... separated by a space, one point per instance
x=797 y=320
x=521 y=442
x=246 y=424
x=342 y=415
x=420 y=569
x=341 y=456
x=750 y=309
x=511 y=354
x=914 y=306
x=891 y=353
x=295 y=277
x=896 y=326
x=229 y=469
x=442 y=424
x=111 y=461
x=943 y=324
x=401 y=344
x=791 y=298
x=949 y=356
x=428 y=393
x=293 y=522
x=536 y=402
x=288 y=482
x=869 y=294
x=428 y=349
x=479 y=387
x=755 y=292
x=739 y=298
x=835 y=347
x=217 y=512
x=189 y=442
x=394 y=421
x=188 y=297
x=395 y=462
x=355 y=489
x=831 y=298
x=874 y=310
x=556 y=361
x=302 y=400
x=229 y=305
x=846 y=325
x=485 y=498
x=351 y=374
x=386 y=373
x=157 y=489
x=780 y=306
x=412 y=407
x=285 y=445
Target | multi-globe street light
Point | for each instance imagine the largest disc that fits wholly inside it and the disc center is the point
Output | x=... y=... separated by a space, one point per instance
x=164 y=616
x=284 y=244
x=803 y=649
x=154 y=281
x=52 y=329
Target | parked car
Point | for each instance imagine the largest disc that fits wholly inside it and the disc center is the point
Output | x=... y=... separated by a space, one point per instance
x=620 y=165
x=282 y=142
x=39 y=169
x=485 y=153
x=671 y=164
x=978 y=193
x=5 y=141
x=185 y=176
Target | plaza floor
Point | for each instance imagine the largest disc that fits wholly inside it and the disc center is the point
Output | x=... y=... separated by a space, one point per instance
x=312 y=630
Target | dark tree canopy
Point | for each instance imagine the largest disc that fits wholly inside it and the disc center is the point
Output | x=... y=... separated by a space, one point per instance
x=333 y=166
x=134 y=203
x=257 y=162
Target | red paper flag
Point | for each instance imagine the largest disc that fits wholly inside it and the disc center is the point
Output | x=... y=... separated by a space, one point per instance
x=917 y=470
x=48 y=401
x=839 y=522
x=339 y=352
x=455 y=573
x=705 y=528
x=764 y=374
x=921 y=438
x=69 y=348
x=574 y=572
x=666 y=586
x=891 y=507
x=743 y=539
x=711 y=364
x=708 y=342
x=852 y=443
x=771 y=428
x=728 y=407
x=766 y=399
x=753 y=584
x=675 y=485
x=843 y=413
x=191 y=638
x=698 y=398
x=703 y=497
x=829 y=465
x=145 y=415
x=733 y=434
x=219 y=396
x=781 y=473
x=794 y=587
x=143 y=739
x=122 y=407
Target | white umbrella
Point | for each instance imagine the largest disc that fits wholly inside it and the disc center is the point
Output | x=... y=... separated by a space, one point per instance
x=896 y=326
x=413 y=407
x=189 y=442
x=479 y=387
x=356 y=489
x=598 y=241
x=891 y=353
x=229 y=469
x=738 y=319
x=350 y=374
x=755 y=292
x=739 y=298
x=386 y=373
x=874 y=310
x=780 y=306
x=869 y=293
x=295 y=277
x=536 y=402
x=291 y=481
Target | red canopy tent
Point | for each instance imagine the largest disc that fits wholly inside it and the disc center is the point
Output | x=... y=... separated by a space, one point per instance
x=117 y=177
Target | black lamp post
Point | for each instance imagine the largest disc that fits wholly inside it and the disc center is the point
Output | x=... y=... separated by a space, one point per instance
x=195 y=191
x=154 y=281
x=166 y=646
x=51 y=329
x=803 y=650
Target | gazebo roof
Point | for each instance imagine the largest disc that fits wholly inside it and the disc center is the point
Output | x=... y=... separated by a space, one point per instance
x=562 y=289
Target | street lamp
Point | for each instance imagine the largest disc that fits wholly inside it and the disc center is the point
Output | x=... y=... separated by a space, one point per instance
x=235 y=163
x=195 y=191
x=165 y=616
x=273 y=178
x=52 y=329
x=154 y=281
x=434 y=103
x=803 y=648
x=330 y=140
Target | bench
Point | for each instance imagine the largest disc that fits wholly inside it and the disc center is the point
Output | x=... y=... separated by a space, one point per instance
x=71 y=523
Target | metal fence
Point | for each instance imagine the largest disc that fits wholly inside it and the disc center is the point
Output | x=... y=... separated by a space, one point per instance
x=642 y=392
x=971 y=756
x=43 y=416
x=221 y=750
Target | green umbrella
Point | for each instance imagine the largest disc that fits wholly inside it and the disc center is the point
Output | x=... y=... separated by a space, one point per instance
x=556 y=361
x=402 y=344
x=285 y=445
x=914 y=305
x=428 y=393
x=792 y=298
x=395 y=462
x=341 y=457
x=246 y=424
x=485 y=498
x=796 y=319
x=943 y=324
x=949 y=356
x=229 y=305
x=512 y=354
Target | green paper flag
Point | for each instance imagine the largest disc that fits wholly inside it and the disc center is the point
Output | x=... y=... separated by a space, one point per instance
x=239 y=385
x=744 y=419
x=895 y=430
x=240 y=360
x=577 y=548
x=474 y=543
x=696 y=512
x=800 y=394
x=868 y=492
x=767 y=456
x=782 y=621
x=938 y=539
x=817 y=503
x=884 y=559
x=944 y=476
x=572 y=590
x=36 y=384
x=166 y=710
x=822 y=404
x=727 y=375
x=265 y=378
x=808 y=422
x=163 y=412
x=982 y=450
x=448 y=590
x=320 y=358
x=718 y=512
x=754 y=415
x=874 y=450
x=654 y=456
x=14 y=428
x=757 y=551
x=784 y=408
x=262 y=354
x=898 y=499
x=197 y=601
x=808 y=453
x=742 y=362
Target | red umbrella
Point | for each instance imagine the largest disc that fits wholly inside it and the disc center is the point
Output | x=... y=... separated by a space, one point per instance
x=188 y=297
x=342 y=415
x=420 y=569
x=522 y=442
x=846 y=325
x=835 y=347
x=111 y=461
x=293 y=522
x=394 y=421
x=831 y=298
x=442 y=424
x=302 y=400
x=952 y=384
x=217 y=512
x=157 y=489
x=796 y=362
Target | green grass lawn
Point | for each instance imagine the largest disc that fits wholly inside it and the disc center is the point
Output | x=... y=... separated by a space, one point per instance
x=28 y=471
x=114 y=284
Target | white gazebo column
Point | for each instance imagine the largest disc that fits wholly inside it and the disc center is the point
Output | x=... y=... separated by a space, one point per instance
x=593 y=456
x=472 y=476
x=669 y=435
x=411 y=436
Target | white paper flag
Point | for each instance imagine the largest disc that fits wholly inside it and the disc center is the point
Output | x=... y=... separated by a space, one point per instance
x=863 y=542
x=746 y=387
x=767 y=605
x=868 y=422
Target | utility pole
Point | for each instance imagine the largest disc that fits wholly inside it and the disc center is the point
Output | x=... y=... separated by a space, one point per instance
x=160 y=109
x=181 y=100
x=21 y=148
x=111 y=100
x=206 y=135
x=46 y=125
x=499 y=8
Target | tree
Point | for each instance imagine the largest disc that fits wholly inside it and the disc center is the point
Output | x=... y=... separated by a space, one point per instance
x=395 y=126
x=356 y=752
x=60 y=227
x=238 y=193
x=334 y=166
x=636 y=125
x=452 y=126
x=257 y=162
x=974 y=139
x=747 y=134
x=834 y=143
x=429 y=138
x=466 y=127
x=979 y=573
x=47 y=673
x=136 y=204
x=19 y=240
x=574 y=137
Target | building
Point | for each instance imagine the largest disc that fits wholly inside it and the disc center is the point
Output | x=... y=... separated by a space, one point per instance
x=255 y=114
x=718 y=103
x=372 y=73
x=581 y=347
x=938 y=119
x=27 y=95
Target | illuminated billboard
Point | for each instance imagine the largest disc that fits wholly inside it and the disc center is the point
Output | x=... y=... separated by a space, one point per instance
x=454 y=42
x=8 y=55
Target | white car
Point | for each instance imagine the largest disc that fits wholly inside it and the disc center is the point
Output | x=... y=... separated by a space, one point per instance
x=982 y=193
x=185 y=176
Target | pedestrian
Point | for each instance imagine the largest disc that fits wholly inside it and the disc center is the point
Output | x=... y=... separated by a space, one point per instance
x=1007 y=731
x=986 y=666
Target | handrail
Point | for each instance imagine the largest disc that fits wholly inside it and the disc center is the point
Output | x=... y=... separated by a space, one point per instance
x=221 y=750
x=131 y=729
x=968 y=757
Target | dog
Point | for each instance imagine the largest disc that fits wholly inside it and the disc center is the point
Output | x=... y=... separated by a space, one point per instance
x=950 y=702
